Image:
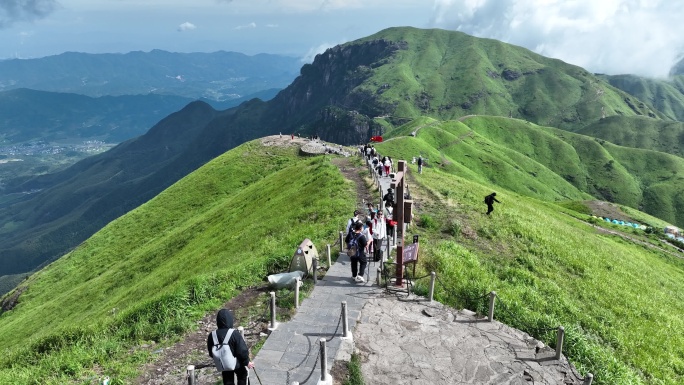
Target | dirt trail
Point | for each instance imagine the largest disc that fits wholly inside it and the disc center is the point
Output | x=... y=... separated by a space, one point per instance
x=170 y=365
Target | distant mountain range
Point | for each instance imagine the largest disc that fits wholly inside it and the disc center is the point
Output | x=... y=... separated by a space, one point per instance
x=350 y=92
x=217 y=76
x=27 y=115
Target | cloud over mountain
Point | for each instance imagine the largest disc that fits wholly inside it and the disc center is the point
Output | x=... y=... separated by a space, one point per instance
x=12 y=11
x=611 y=36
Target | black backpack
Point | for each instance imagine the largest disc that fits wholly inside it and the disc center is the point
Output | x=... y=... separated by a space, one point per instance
x=350 y=233
x=389 y=197
x=354 y=245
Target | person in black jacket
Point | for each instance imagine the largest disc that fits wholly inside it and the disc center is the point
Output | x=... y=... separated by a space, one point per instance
x=389 y=198
x=359 y=260
x=224 y=321
x=489 y=200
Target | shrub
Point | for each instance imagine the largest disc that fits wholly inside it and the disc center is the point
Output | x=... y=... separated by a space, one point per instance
x=427 y=222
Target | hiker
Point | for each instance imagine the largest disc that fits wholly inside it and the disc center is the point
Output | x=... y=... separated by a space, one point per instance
x=489 y=200
x=420 y=164
x=224 y=322
x=368 y=234
x=379 y=231
x=350 y=228
x=389 y=198
x=390 y=224
x=358 y=257
x=387 y=163
x=371 y=209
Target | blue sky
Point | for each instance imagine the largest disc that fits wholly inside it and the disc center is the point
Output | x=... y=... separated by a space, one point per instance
x=611 y=36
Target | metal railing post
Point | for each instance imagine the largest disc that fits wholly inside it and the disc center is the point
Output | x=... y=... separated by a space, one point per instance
x=191 y=374
x=324 y=359
x=328 y=253
x=273 y=310
x=341 y=241
x=559 y=342
x=297 y=281
x=345 y=320
x=379 y=275
x=588 y=379
x=492 y=300
x=433 y=275
x=315 y=270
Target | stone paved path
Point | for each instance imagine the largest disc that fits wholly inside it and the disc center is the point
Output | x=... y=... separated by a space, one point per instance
x=401 y=344
x=401 y=340
x=293 y=346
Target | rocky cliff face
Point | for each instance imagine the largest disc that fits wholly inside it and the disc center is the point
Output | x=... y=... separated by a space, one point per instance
x=326 y=99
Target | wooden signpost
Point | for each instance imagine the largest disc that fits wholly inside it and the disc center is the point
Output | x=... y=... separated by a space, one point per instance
x=401 y=207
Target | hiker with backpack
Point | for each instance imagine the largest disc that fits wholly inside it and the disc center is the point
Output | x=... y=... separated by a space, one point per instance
x=357 y=255
x=420 y=164
x=350 y=228
x=228 y=350
x=389 y=198
x=379 y=231
x=489 y=200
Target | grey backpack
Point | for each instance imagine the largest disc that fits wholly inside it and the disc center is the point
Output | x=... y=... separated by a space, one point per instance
x=223 y=356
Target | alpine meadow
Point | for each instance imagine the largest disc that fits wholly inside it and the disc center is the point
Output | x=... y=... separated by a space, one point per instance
x=563 y=149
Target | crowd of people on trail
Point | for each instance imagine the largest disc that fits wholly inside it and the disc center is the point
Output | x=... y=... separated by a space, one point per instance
x=366 y=231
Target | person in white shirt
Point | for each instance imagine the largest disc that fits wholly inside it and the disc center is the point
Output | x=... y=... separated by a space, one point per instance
x=379 y=232
x=368 y=233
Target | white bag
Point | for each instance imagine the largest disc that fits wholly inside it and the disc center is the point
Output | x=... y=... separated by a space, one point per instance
x=223 y=357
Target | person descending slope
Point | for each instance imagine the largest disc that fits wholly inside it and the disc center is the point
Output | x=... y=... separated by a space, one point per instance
x=489 y=200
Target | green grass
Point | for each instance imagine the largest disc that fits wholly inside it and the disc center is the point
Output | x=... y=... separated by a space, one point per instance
x=150 y=274
x=547 y=163
x=355 y=375
x=447 y=74
x=618 y=301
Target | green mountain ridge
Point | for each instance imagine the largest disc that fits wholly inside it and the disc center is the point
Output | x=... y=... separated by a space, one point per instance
x=234 y=220
x=350 y=92
x=665 y=95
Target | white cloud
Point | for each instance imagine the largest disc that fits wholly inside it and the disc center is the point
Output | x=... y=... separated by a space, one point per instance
x=644 y=37
x=12 y=11
x=271 y=25
x=247 y=26
x=24 y=36
x=187 y=26
x=311 y=54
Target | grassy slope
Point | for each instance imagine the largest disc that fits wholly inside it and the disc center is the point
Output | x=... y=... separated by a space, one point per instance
x=549 y=164
x=664 y=95
x=182 y=253
x=446 y=74
x=640 y=132
x=618 y=301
